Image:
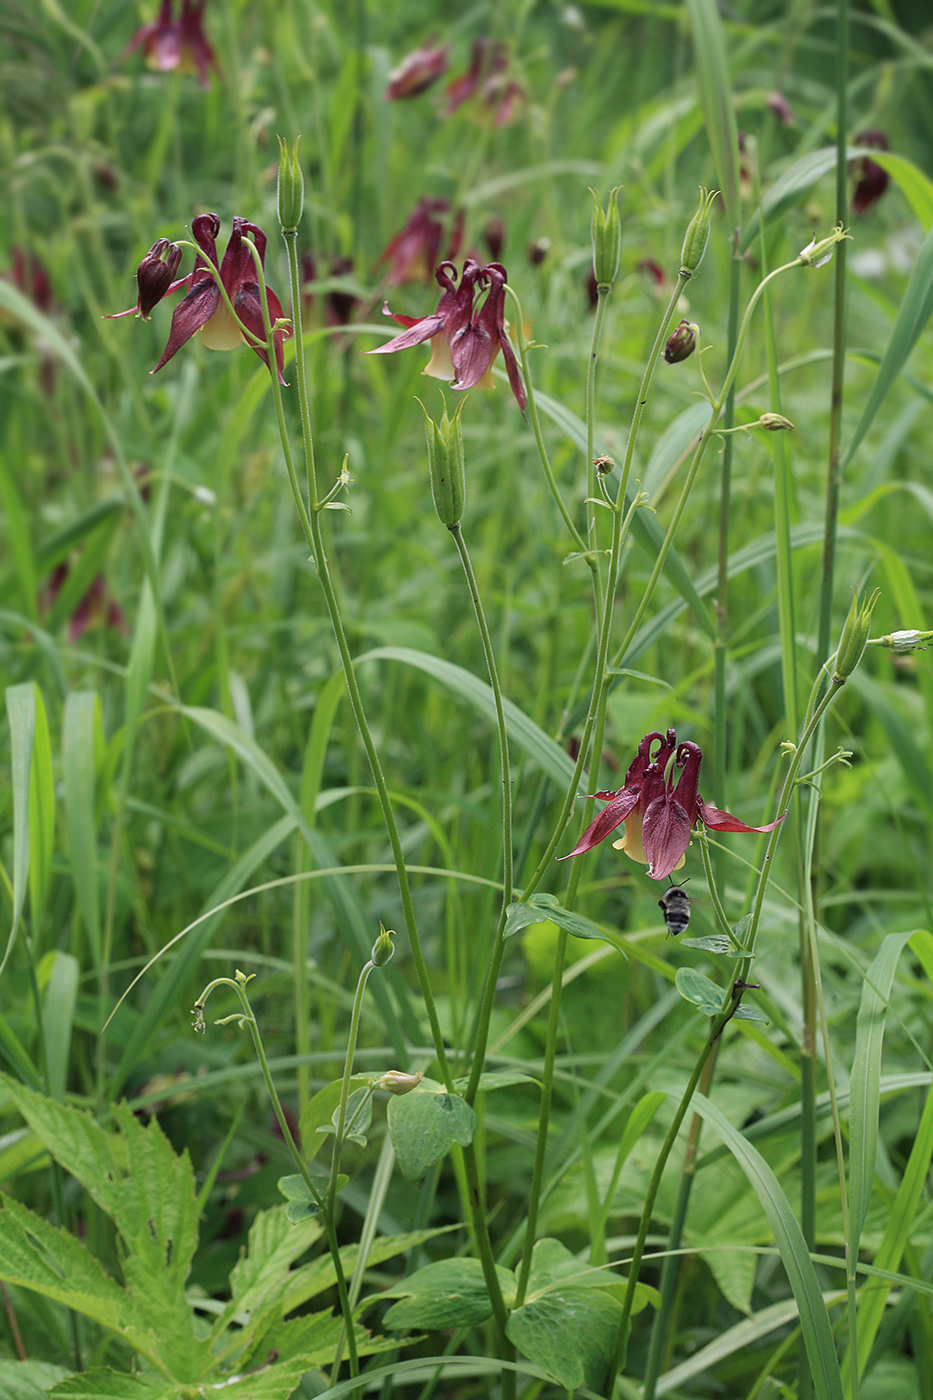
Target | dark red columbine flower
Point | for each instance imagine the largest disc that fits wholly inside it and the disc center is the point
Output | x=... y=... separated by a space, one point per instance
x=465 y=342
x=169 y=43
x=871 y=179
x=94 y=608
x=415 y=250
x=417 y=71
x=659 y=816
x=203 y=307
x=487 y=76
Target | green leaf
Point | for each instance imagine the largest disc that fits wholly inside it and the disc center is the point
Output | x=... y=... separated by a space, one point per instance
x=258 y=1279
x=115 y=1385
x=570 y=1333
x=82 y=745
x=451 y=1293
x=298 y=1211
x=543 y=907
x=699 y=990
x=21 y=713
x=915 y=308
x=60 y=973
x=497 y=1079
x=710 y=943
x=425 y=1124
x=28 y=1380
x=712 y=70
x=814 y=1318
x=318 y=1116
x=522 y=730
x=865 y=1080
x=41 y=814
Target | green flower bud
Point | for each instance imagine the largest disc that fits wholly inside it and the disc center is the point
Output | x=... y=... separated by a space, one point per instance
x=681 y=343
x=854 y=637
x=445 y=458
x=383 y=948
x=819 y=252
x=697 y=235
x=607 y=238
x=291 y=187
x=775 y=423
x=398 y=1083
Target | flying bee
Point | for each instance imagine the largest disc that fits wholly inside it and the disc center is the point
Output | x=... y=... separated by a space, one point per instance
x=675 y=906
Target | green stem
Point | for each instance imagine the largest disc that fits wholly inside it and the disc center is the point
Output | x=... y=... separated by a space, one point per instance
x=248 y=1019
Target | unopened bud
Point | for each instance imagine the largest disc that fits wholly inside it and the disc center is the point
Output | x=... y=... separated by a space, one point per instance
x=604 y=465
x=155 y=275
x=854 y=637
x=817 y=254
x=445 y=458
x=398 y=1083
x=775 y=423
x=606 y=230
x=903 y=642
x=697 y=235
x=383 y=948
x=291 y=187
x=681 y=344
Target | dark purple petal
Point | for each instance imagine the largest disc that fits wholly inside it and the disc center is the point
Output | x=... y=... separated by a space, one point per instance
x=689 y=757
x=725 y=821
x=154 y=276
x=416 y=334
x=248 y=306
x=195 y=40
x=190 y=315
x=623 y=802
x=665 y=835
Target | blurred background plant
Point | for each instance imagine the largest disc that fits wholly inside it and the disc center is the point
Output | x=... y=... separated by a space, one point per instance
x=168 y=655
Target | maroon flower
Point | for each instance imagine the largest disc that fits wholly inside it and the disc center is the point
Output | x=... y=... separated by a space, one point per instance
x=155 y=275
x=414 y=252
x=871 y=179
x=487 y=77
x=169 y=43
x=417 y=72
x=203 y=308
x=659 y=816
x=94 y=608
x=465 y=341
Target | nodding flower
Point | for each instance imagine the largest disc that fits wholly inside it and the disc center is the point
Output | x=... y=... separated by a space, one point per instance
x=417 y=71
x=464 y=341
x=203 y=307
x=176 y=43
x=659 y=816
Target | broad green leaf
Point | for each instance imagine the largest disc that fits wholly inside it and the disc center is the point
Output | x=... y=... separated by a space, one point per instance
x=553 y=1266
x=317 y=1117
x=311 y=1280
x=114 y=1385
x=298 y=1211
x=21 y=713
x=865 y=1080
x=712 y=69
x=451 y=1293
x=425 y=1124
x=28 y=1380
x=256 y=1281
x=913 y=314
x=570 y=1333
x=699 y=990
x=814 y=1318
x=82 y=745
x=41 y=814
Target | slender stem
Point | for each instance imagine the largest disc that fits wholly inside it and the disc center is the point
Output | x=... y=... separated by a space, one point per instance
x=313 y=533
x=345 y=1085
x=722 y=586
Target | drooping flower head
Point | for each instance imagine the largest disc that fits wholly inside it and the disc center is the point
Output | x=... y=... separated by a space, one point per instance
x=487 y=77
x=203 y=308
x=417 y=71
x=658 y=815
x=871 y=179
x=415 y=251
x=169 y=43
x=465 y=342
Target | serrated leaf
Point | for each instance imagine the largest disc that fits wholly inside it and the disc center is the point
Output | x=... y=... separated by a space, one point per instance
x=425 y=1124
x=114 y=1385
x=569 y=1333
x=450 y=1293
x=29 y=1380
x=710 y=943
x=256 y=1280
x=699 y=990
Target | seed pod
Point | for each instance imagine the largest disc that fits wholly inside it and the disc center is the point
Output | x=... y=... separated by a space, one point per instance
x=445 y=458
x=697 y=235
